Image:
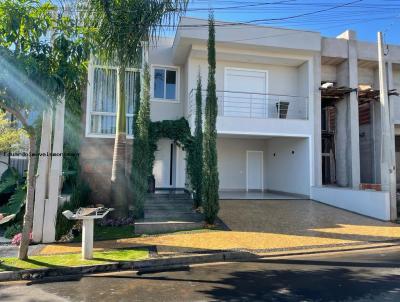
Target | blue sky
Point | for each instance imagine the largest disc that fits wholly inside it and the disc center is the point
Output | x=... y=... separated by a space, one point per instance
x=328 y=17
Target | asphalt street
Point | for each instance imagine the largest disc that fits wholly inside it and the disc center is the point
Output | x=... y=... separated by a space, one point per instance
x=372 y=275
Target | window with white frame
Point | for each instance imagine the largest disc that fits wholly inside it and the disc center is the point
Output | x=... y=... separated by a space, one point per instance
x=102 y=99
x=165 y=83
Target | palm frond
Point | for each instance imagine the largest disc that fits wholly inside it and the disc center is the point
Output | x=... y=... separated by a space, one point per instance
x=8 y=181
x=16 y=202
x=118 y=28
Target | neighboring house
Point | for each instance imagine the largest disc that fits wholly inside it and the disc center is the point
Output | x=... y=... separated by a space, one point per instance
x=278 y=130
x=15 y=159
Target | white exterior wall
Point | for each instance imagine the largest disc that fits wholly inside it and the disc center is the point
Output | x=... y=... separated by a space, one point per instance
x=281 y=79
x=287 y=171
x=161 y=55
x=369 y=203
x=232 y=160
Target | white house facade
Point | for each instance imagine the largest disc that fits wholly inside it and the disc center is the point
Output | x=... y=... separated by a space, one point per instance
x=298 y=114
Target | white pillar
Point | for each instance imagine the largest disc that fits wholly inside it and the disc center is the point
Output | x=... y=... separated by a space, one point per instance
x=42 y=177
x=87 y=239
x=51 y=205
x=388 y=172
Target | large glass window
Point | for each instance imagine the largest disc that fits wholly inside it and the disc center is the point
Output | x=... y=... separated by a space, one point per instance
x=104 y=97
x=165 y=84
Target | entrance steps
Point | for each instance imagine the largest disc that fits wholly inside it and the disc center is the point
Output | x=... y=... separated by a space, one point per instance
x=168 y=212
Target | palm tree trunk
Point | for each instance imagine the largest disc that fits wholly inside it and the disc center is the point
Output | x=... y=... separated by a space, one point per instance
x=118 y=177
x=28 y=217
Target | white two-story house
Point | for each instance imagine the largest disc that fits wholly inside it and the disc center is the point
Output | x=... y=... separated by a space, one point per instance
x=278 y=130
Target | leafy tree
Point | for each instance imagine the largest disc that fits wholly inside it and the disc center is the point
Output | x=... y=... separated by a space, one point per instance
x=117 y=29
x=197 y=177
x=140 y=156
x=210 y=168
x=41 y=56
x=10 y=135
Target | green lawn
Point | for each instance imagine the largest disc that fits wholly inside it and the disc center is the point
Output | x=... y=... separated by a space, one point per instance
x=10 y=264
x=110 y=233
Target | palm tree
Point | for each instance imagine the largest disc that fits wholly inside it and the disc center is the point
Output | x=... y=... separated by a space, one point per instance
x=117 y=29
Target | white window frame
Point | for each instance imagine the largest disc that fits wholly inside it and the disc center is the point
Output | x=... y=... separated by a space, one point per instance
x=177 y=93
x=89 y=102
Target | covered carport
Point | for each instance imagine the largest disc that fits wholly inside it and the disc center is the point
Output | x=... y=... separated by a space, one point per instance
x=263 y=167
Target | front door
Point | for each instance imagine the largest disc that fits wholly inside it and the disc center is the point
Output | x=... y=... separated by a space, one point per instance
x=254 y=170
x=164 y=164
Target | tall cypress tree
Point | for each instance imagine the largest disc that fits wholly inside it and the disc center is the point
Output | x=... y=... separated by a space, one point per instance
x=210 y=168
x=140 y=156
x=197 y=177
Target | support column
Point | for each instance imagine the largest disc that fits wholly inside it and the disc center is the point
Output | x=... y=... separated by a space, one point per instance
x=51 y=205
x=388 y=172
x=41 y=189
x=317 y=121
x=348 y=133
x=354 y=124
x=342 y=175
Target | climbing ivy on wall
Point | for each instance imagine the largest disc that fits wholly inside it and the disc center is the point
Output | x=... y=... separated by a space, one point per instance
x=179 y=132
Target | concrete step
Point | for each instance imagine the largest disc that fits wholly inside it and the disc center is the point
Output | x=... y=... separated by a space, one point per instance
x=168 y=196
x=167 y=213
x=174 y=210
x=167 y=216
x=169 y=202
x=158 y=227
x=168 y=207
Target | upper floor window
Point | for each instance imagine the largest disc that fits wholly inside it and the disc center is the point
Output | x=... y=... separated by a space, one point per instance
x=165 y=83
x=102 y=99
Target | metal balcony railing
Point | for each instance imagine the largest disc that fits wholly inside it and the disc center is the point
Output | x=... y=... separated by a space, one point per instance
x=255 y=105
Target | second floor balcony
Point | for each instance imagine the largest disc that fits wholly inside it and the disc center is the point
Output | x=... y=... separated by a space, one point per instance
x=236 y=104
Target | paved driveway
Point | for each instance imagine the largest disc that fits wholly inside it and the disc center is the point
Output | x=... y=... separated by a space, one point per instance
x=266 y=226
x=303 y=218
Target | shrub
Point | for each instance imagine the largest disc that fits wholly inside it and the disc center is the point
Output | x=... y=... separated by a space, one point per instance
x=12 y=230
x=210 y=168
x=79 y=198
x=17 y=239
x=140 y=156
x=197 y=166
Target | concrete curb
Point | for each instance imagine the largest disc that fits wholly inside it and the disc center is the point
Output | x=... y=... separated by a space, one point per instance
x=165 y=263
x=158 y=263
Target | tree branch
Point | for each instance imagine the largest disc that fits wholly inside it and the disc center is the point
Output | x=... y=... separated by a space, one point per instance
x=20 y=117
